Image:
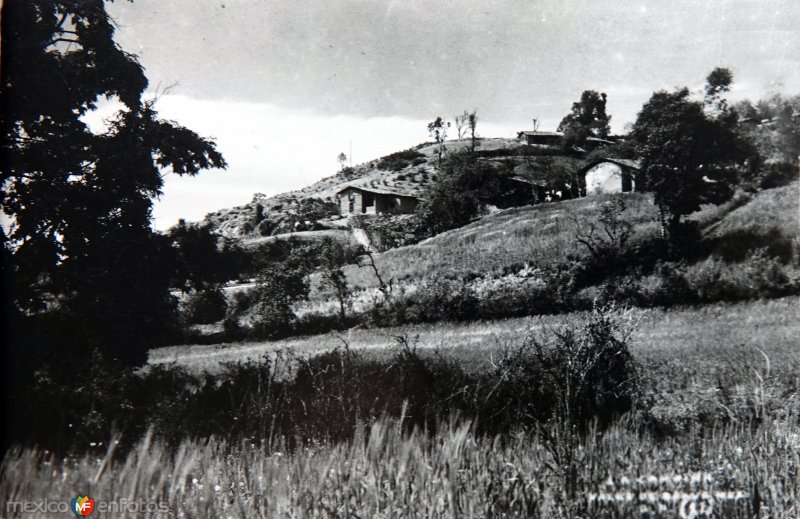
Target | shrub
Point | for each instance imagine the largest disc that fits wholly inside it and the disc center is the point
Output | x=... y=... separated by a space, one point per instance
x=205 y=306
x=575 y=376
x=399 y=160
x=459 y=193
x=389 y=231
x=758 y=275
x=591 y=370
x=776 y=175
x=433 y=300
x=232 y=329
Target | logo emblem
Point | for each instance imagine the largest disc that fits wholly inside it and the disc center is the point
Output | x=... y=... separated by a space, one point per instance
x=82 y=506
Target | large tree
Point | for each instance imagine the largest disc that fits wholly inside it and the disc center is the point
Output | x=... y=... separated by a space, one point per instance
x=688 y=158
x=588 y=118
x=86 y=272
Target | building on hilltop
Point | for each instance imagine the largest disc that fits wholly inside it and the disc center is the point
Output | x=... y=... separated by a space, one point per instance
x=556 y=139
x=537 y=138
x=609 y=175
x=354 y=200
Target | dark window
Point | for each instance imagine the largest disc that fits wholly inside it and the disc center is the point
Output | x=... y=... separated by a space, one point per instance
x=367 y=200
x=627 y=182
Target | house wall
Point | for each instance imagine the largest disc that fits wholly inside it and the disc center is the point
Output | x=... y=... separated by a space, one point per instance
x=607 y=177
x=345 y=199
x=543 y=140
x=373 y=203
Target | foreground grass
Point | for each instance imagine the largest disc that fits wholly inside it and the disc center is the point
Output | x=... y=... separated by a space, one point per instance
x=714 y=432
x=732 y=471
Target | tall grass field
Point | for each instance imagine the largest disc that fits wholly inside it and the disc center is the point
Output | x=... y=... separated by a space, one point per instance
x=713 y=431
x=731 y=471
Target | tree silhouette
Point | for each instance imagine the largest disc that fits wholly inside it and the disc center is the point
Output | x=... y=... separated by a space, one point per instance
x=85 y=270
x=718 y=82
x=688 y=159
x=438 y=130
x=472 y=123
x=587 y=118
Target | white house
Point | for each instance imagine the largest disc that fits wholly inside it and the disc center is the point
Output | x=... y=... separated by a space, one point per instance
x=610 y=176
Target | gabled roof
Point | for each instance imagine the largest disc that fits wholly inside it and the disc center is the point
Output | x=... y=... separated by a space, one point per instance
x=540 y=134
x=598 y=139
x=530 y=181
x=625 y=163
x=377 y=191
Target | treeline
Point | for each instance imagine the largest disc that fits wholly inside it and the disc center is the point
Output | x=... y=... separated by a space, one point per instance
x=693 y=150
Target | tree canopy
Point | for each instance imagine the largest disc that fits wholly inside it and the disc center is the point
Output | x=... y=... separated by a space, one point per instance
x=78 y=244
x=773 y=126
x=588 y=118
x=688 y=158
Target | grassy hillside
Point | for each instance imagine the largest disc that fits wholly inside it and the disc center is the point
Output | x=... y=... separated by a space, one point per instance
x=544 y=235
x=528 y=261
x=539 y=235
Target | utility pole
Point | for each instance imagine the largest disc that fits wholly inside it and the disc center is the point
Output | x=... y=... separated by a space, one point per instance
x=351 y=154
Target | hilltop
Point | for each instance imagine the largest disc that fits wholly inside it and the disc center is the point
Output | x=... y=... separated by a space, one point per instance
x=313 y=207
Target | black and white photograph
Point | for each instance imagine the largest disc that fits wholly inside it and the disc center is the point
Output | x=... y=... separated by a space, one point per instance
x=400 y=259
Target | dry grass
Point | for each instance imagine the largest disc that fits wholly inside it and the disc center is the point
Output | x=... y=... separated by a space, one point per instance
x=724 y=377
x=777 y=209
x=543 y=235
x=770 y=325
x=540 y=235
x=732 y=472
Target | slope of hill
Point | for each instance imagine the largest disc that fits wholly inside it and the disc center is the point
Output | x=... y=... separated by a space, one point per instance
x=544 y=234
x=310 y=208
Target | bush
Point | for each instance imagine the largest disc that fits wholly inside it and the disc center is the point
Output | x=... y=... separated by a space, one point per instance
x=459 y=194
x=399 y=160
x=205 y=306
x=433 y=300
x=591 y=370
x=759 y=275
x=776 y=175
x=389 y=231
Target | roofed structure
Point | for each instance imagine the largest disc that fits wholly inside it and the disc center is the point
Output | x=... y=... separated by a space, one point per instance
x=537 y=138
x=610 y=175
x=356 y=199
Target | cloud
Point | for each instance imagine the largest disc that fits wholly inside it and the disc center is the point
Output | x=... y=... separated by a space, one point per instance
x=415 y=58
x=270 y=150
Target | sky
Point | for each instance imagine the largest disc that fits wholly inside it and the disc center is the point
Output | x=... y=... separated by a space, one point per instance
x=284 y=86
